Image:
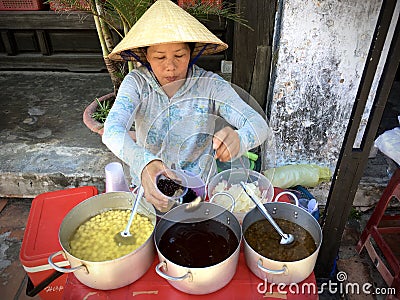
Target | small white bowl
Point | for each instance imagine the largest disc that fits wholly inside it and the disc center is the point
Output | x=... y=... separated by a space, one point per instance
x=229 y=181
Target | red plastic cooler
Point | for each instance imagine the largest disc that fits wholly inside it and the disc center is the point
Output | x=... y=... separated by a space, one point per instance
x=41 y=236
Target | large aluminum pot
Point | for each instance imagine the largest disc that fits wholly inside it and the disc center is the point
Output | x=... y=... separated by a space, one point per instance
x=282 y=271
x=109 y=274
x=202 y=280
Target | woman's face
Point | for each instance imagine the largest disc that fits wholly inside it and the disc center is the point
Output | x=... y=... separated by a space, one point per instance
x=169 y=62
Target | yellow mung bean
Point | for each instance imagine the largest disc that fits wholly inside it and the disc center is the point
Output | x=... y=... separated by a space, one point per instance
x=94 y=239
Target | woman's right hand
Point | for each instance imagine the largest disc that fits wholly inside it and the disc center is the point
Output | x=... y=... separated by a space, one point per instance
x=151 y=193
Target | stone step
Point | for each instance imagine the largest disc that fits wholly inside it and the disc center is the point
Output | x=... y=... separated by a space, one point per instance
x=29 y=170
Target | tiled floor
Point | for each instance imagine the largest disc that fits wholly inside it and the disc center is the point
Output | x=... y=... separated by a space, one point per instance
x=13 y=217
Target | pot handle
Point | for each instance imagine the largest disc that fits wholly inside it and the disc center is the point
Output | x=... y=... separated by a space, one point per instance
x=63 y=270
x=163 y=264
x=296 y=200
x=283 y=271
x=225 y=194
x=32 y=290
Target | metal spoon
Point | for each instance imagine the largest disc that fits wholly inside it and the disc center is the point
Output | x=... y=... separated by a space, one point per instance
x=210 y=170
x=125 y=237
x=287 y=238
x=192 y=206
x=210 y=159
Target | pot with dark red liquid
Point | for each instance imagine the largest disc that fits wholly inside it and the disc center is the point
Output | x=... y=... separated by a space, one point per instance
x=198 y=248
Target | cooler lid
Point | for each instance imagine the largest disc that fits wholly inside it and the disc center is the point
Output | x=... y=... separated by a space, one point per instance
x=45 y=217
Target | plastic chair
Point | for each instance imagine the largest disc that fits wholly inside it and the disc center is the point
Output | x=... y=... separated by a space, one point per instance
x=379 y=226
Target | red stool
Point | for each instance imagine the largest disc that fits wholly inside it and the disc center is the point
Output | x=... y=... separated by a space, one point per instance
x=385 y=231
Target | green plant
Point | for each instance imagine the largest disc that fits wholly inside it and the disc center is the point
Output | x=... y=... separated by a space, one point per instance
x=102 y=110
x=355 y=214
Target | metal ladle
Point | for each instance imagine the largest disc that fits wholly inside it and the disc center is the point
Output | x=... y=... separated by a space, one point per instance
x=286 y=238
x=125 y=237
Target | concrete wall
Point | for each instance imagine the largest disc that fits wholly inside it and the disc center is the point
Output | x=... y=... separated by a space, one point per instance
x=319 y=56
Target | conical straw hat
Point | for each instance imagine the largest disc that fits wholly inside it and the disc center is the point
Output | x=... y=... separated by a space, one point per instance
x=166 y=22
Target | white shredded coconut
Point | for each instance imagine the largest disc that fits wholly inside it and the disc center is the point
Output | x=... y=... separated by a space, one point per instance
x=243 y=202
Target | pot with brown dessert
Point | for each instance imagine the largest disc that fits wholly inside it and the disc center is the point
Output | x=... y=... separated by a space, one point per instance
x=270 y=260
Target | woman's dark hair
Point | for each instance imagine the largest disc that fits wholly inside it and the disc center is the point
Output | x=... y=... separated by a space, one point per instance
x=191 y=47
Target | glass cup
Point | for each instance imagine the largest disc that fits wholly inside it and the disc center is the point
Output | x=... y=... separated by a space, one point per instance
x=115 y=178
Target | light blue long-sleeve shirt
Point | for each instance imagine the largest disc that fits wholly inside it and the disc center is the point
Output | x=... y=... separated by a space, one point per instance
x=177 y=130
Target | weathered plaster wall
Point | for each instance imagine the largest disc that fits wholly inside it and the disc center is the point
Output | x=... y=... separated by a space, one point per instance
x=320 y=52
x=376 y=81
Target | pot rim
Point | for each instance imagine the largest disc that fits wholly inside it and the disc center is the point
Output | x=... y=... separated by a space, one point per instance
x=231 y=215
x=296 y=208
x=71 y=212
x=165 y=216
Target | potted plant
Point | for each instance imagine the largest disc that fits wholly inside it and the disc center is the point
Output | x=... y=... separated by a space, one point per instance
x=119 y=16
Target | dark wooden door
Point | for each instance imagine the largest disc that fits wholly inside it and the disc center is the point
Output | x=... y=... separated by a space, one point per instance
x=252 y=48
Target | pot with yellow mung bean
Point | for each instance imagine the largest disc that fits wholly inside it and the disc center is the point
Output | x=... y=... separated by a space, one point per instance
x=87 y=235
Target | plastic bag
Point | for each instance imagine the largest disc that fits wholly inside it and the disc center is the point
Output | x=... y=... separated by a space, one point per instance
x=389 y=144
x=308 y=175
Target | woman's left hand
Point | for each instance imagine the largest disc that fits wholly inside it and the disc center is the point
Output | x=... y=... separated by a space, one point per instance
x=226 y=143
